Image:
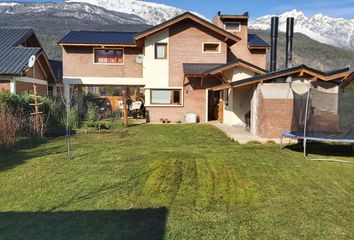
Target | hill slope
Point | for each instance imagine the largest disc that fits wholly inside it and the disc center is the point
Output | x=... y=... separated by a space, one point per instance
x=310 y=52
x=338 y=32
x=52 y=21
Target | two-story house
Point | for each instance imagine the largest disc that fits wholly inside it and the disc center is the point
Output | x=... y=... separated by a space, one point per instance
x=175 y=62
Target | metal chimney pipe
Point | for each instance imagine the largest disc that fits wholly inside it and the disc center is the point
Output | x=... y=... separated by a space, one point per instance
x=274 y=43
x=289 y=41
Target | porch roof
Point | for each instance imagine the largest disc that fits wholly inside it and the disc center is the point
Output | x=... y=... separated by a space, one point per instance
x=300 y=70
x=205 y=69
x=199 y=69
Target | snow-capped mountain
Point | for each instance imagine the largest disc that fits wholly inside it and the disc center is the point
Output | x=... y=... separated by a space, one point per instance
x=338 y=32
x=83 y=11
x=152 y=13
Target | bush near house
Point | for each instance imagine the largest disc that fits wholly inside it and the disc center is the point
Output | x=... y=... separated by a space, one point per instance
x=18 y=108
x=10 y=124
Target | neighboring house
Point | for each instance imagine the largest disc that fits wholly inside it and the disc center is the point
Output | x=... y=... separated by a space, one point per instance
x=17 y=46
x=182 y=59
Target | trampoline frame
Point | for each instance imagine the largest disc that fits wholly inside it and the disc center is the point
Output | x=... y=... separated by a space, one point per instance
x=317 y=139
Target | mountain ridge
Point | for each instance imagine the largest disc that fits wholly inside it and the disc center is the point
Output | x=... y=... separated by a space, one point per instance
x=152 y=13
x=338 y=32
x=52 y=21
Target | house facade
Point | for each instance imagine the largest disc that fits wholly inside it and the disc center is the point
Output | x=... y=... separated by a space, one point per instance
x=215 y=70
x=23 y=62
x=176 y=62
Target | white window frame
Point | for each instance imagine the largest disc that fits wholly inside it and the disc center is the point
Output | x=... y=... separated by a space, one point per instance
x=219 y=47
x=239 y=26
x=107 y=48
x=155 y=50
x=150 y=104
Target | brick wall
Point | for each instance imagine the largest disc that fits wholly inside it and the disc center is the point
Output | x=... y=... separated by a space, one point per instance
x=273 y=116
x=186 y=42
x=240 y=49
x=5 y=85
x=39 y=74
x=194 y=102
x=79 y=61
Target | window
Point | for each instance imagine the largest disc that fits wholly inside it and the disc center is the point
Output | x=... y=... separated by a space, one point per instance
x=109 y=56
x=160 y=50
x=233 y=26
x=168 y=97
x=211 y=47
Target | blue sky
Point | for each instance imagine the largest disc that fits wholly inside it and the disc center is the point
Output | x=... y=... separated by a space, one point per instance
x=257 y=8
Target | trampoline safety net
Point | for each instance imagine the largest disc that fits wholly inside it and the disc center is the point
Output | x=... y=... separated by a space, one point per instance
x=329 y=115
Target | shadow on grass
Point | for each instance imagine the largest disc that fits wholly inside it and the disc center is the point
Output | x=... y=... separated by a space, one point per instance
x=324 y=149
x=100 y=224
x=23 y=150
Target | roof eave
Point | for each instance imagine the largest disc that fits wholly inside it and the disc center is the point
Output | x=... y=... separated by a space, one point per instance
x=188 y=15
x=234 y=17
x=259 y=47
x=299 y=70
x=61 y=44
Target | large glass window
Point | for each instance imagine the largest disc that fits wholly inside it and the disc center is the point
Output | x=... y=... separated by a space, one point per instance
x=233 y=26
x=109 y=56
x=160 y=50
x=162 y=96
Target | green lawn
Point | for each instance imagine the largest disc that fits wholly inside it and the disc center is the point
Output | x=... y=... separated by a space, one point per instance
x=171 y=182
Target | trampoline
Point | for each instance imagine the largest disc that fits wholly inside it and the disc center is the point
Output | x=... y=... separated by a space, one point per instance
x=322 y=117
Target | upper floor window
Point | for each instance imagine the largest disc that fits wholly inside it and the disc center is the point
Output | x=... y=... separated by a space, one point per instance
x=161 y=51
x=109 y=56
x=233 y=26
x=211 y=47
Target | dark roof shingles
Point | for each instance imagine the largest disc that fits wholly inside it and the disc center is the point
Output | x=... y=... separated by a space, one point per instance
x=199 y=68
x=13 y=57
x=255 y=41
x=92 y=37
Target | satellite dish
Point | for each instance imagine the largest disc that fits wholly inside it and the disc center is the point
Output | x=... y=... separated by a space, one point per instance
x=31 y=61
x=139 y=59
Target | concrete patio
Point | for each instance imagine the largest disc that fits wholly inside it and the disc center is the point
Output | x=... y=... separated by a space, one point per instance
x=239 y=134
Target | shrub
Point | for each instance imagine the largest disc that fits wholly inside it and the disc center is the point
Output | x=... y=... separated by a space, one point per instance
x=10 y=123
x=53 y=119
x=74 y=118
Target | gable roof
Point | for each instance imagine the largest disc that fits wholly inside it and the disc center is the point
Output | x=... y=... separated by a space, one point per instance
x=255 y=42
x=300 y=70
x=13 y=57
x=57 y=67
x=13 y=37
x=230 y=38
x=97 y=38
x=200 y=69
